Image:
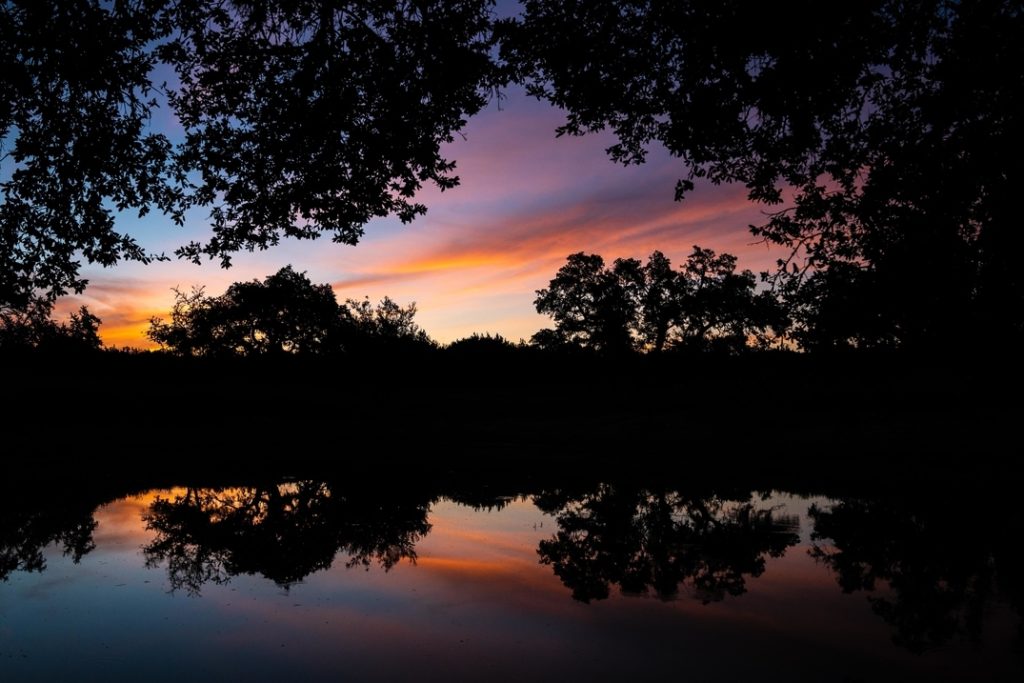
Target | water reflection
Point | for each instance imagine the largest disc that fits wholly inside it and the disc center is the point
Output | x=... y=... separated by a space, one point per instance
x=27 y=529
x=640 y=539
x=515 y=569
x=932 y=571
x=283 y=532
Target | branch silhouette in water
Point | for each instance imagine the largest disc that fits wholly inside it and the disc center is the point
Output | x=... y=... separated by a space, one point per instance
x=283 y=532
x=931 y=571
x=27 y=528
x=646 y=540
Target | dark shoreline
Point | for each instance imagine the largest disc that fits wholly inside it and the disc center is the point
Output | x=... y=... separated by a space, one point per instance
x=856 y=418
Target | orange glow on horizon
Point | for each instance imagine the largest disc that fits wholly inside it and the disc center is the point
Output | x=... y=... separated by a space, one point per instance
x=473 y=263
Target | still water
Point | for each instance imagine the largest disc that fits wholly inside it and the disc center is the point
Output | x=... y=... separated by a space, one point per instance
x=308 y=581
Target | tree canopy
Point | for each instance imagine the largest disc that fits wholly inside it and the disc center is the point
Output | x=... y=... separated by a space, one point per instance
x=285 y=313
x=706 y=304
x=297 y=119
x=591 y=304
x=33 y=328
x=885 y=134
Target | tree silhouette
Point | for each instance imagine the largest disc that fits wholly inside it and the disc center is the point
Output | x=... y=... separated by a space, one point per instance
x=75 y=101
x=298 y=119
x=547 y=339
x=32 y=327
x=831 y=312
x=284 y=314
x=659 y=301
x=885 y=135
x=640 y=539
x=705 y=305
x=719 y=308
x=386 y=325
x=481 y=345
x=283 y=532
x=590 y=304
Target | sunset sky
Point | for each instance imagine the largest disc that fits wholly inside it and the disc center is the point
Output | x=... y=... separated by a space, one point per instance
x=472 y=264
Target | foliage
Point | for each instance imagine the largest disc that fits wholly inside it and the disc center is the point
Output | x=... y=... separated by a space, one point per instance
x=888 y=132
x=385 y=325
x=884 y=135
x=306 y=117
x=33 y=328
x=76 y=98
x=547 y=339
x=298 y=119
x=481 y=344
x=720 y=308
x=704 y=305
x=283 y=314
x=590 y=303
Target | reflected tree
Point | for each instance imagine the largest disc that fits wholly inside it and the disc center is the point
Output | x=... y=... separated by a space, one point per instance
x=932 y=572
x=645 y=540
x=26 y=530
x=283 y=532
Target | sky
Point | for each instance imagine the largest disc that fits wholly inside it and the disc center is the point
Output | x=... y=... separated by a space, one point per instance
x=473 y=263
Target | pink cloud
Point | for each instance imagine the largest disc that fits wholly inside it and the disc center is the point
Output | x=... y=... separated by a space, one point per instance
x=527 y=200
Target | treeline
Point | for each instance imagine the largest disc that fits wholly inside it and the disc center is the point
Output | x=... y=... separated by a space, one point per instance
x=631 y=306
x=704 y=305
x=283 y=314
x=33 y=328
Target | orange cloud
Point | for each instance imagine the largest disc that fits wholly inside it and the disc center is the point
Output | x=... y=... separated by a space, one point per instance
x=473 y=263
x=480 y=268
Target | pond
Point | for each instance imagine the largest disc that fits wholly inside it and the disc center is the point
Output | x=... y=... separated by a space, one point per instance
x=314 y=580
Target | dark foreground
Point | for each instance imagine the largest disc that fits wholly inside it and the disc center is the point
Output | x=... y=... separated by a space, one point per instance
x=774 y=517
x=844 y=415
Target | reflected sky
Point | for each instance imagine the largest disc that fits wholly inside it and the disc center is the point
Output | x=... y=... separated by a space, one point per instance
x=475 y=603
